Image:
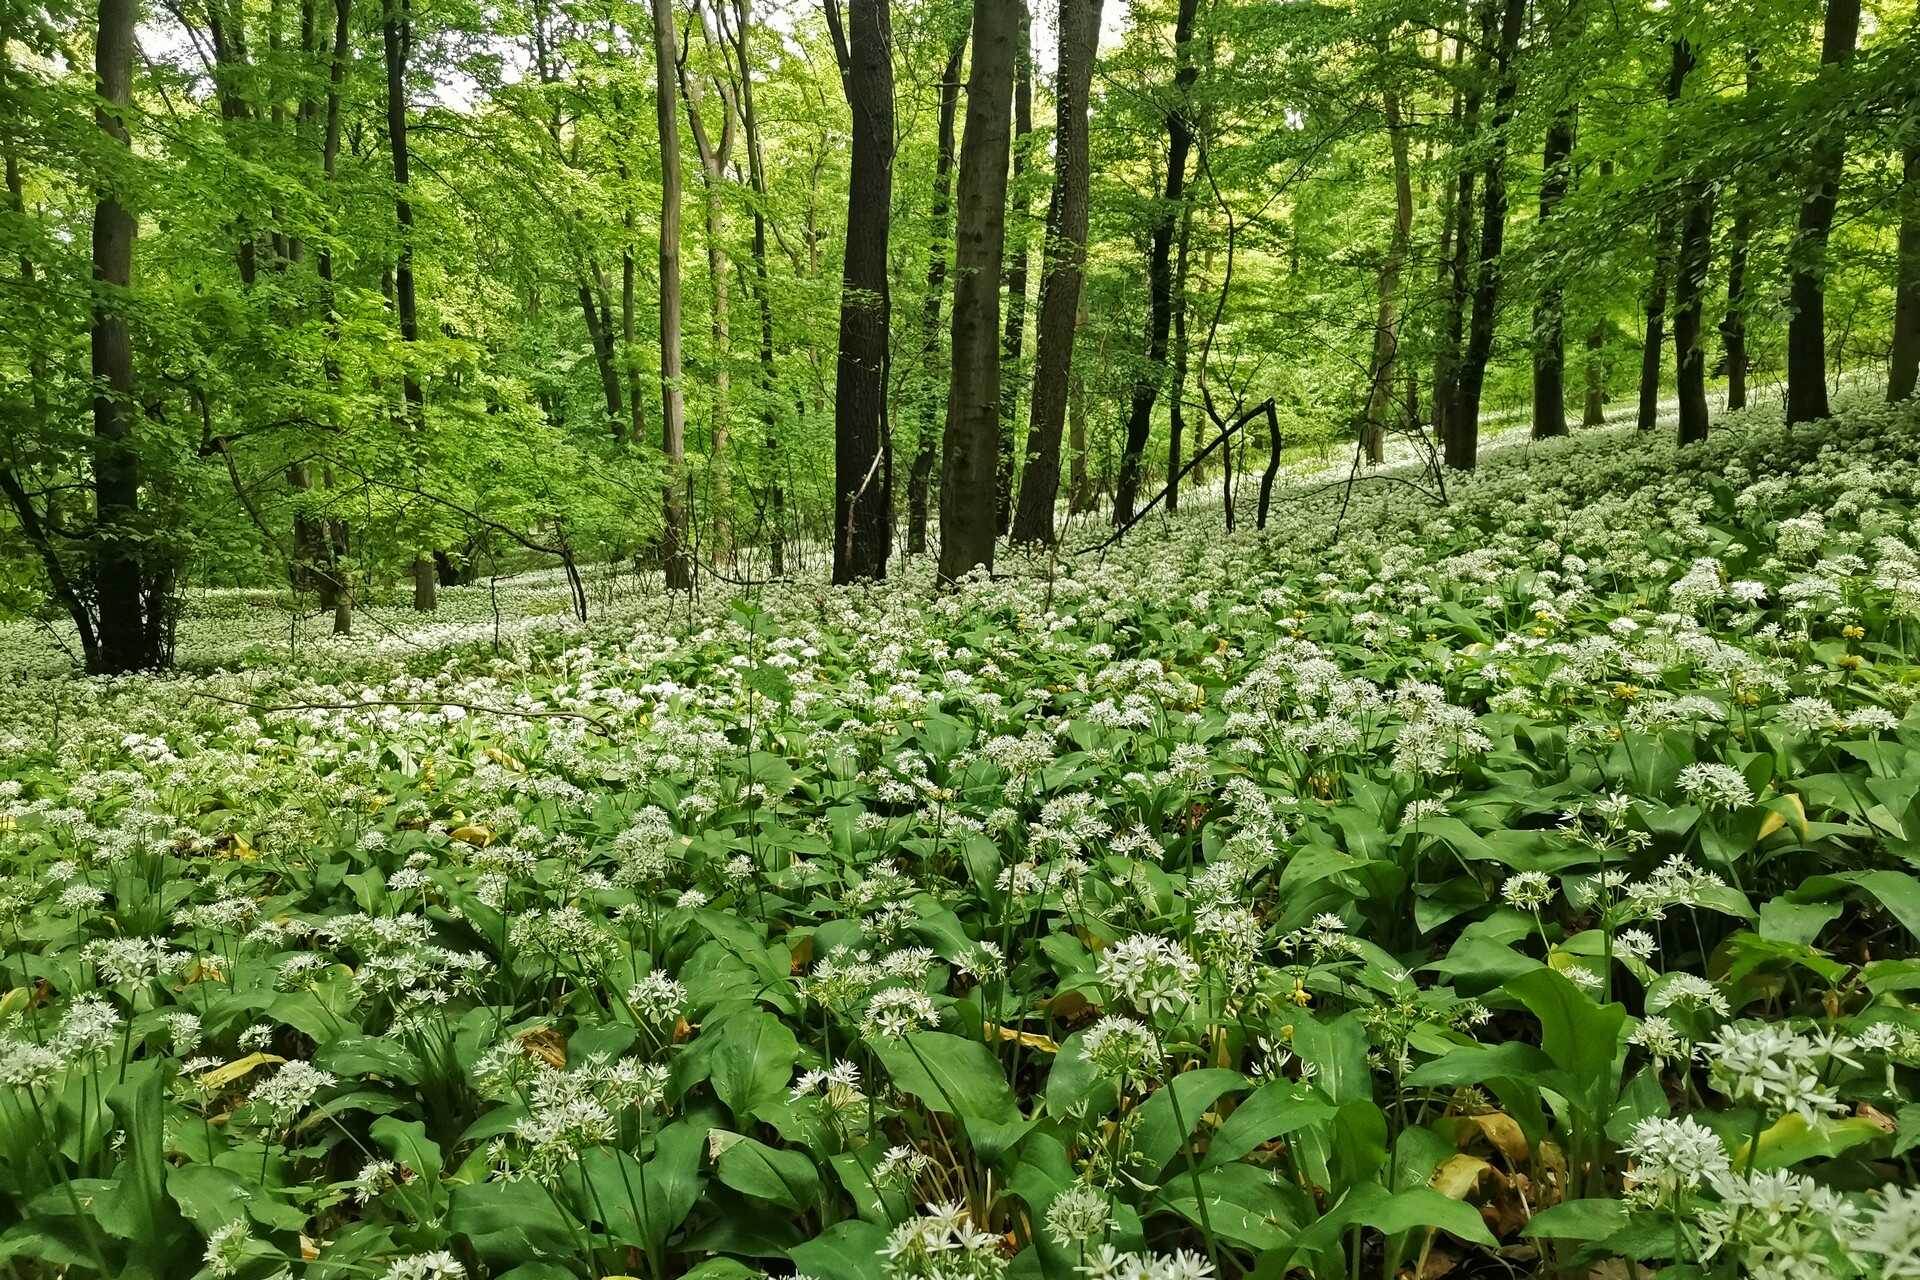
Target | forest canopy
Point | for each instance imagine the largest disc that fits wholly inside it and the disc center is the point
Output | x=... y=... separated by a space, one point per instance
x=335 y=294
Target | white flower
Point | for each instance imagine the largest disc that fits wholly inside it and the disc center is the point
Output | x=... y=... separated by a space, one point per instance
x=1149 y=972
x=1674 y=1156
x=1715 y=786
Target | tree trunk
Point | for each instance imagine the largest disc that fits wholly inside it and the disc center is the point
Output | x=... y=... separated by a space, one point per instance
x=1062 y=279
x=1014 y=339
x=675 y=548
x=1689 y=351
x=1386 y=325
x=122 y=600
x=1456 y=246
x=862 y=450
x=396 y=30
x=1903 y=363
x=1062 y=276
x=763 y=293
x=603 y=357
x=1176 y=393
x=970 y=450
x=426 y=585
x=1146 y=387
x=1080 y=494
x=1733 y=325
x=1663 y=251
x=1549 y=310
x=921 y=478
x=1463 y=420
x=714 y=154
x=1807 y=295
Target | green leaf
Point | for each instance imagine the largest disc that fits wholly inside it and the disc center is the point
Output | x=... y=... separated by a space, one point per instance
x=786 y=1178
x=1577 y=1220
x=1581 y=1037
x=1245 y=1205
x=1272 y=1111
x=751 y=1056
x=848 y=1250
x=960 y=1077
x=1159 y=1136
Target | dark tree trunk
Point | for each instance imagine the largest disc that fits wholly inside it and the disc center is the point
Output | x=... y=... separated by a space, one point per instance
x=1080 y=492
x=1146 y=387
x=603 y=359
x=1733 y=325
x=1807 y=297
x=1386 y=324
x=396 y=31
x=1663 y=255
x=970 y=450
x=1689 y=349
x=1456 y=246
x=125 y=602
x=862 y=452
x=1176 y=392
x=1903 y=364
x=1463 y=420
x=1549 y=310
x=1061 y=278
x=920 y=480
x=1014 y=339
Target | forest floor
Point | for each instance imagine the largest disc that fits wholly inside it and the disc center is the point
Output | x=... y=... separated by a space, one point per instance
x=1525 y=880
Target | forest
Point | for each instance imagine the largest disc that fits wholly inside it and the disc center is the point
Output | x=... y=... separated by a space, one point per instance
x=960 y=639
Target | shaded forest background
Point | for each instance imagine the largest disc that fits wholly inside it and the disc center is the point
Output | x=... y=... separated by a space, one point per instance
x=338 y=294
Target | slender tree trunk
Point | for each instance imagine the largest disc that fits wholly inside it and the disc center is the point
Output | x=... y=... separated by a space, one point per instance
x=1549 y=311
x=1176 y=392
x=862 y=450
x=1080 y=495
x=1146 y=387
x=1689 y=347
x=1903 y=363
x=1014 y=338
x=603 y=356
x=763 y=293
x=1733 y=325
x=970 y=450
x=1386 y=325
x=127 y=636
x=714 y=154
x=921 y=478
x=1456 y=252
x=1807 y=294
x=396 y=31
x=1664 y=249
x=676 y=551
x=1056 y=377
x=1463 y=421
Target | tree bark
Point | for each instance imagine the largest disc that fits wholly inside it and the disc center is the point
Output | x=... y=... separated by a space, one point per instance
x=125 y=609
x=1080 y=494
x=1903 y=363
x=1177 y=388
x=714 y=154
x=1456 y=245
x=969 y=452
x=1146 y=387
x=1807 y=295
x=1062 y=277
x=1014 y=338
x=676 y=553
x=1689 y=350
x=763 y=293
x=1733 y=325
x=1386 y=325
x=862 y=449
x=1549 y=311
x=1663 y=251
x=920 y=479
x=1463 y=420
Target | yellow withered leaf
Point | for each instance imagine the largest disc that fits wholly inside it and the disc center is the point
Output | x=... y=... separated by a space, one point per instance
x=504 y=760
x=239 y=1068
x=1503 y=1131
x=1775 y=820
x=547 y=1045
x=1031 y=1039
x=474 y=834
x=1458 y=1175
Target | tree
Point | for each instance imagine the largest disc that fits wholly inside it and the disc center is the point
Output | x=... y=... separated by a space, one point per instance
x=1146 y=386
x=1062 y=273
x=862 y=449
x=1733 y=324
x=1807 y=298
x=1014 y=338
x=920 y=479
x=1689 y=350
x=1903 y=361
x=1386 y=325
x=1549 y=319
x=1463 y=419
x=676 y=550
x=715 y=152
x=131 y=599
x=971 y=447
x=1680 y=66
